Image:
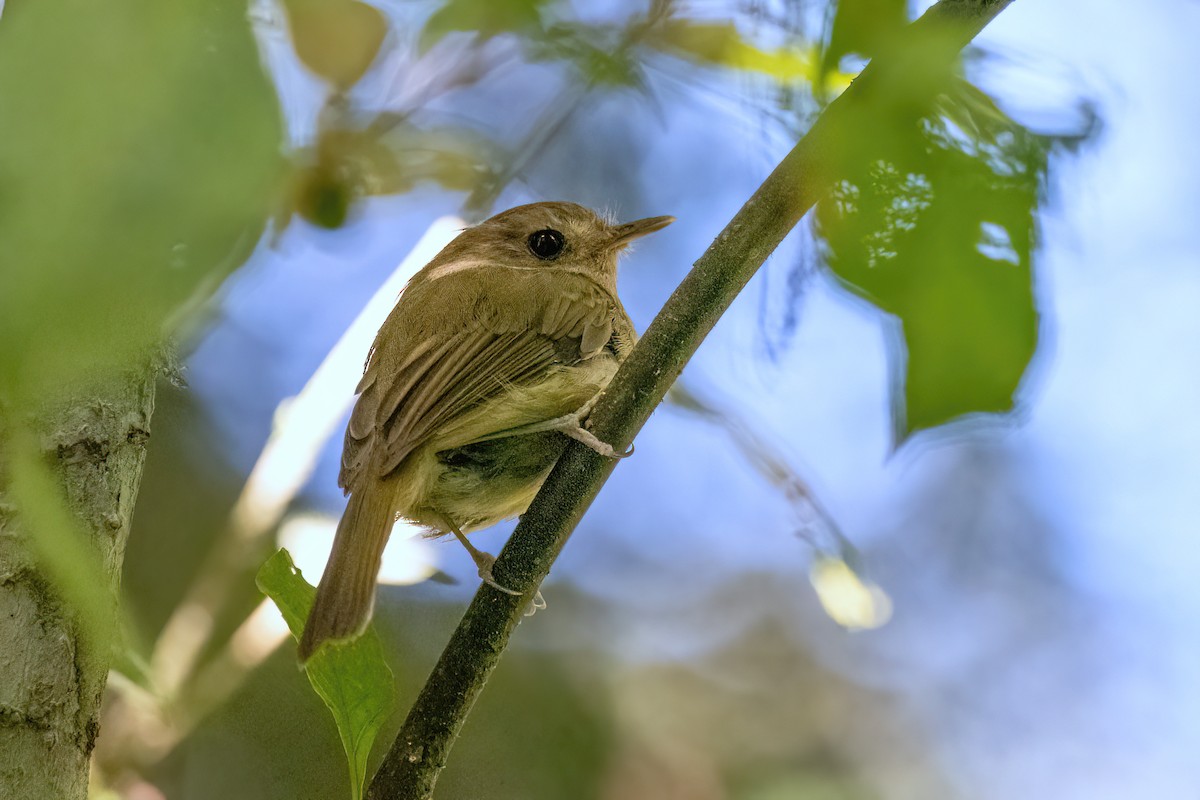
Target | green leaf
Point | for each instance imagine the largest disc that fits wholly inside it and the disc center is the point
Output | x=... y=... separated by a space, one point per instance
x=387 y=156
x=139 y=161
x=721 y=44
x=864 y=27
x=933 y=222
x=352 y=678
x=336 y=39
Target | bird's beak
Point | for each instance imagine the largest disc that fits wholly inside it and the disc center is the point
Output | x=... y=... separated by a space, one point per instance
x=624 y=234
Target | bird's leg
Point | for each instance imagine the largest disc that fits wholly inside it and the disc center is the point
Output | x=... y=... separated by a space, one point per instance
x=484 y=561
x=569 y=424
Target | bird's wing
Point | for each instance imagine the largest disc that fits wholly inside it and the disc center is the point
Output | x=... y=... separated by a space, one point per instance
x=451 y=372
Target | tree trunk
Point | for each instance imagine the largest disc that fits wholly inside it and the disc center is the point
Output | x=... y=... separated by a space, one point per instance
x=53 y=666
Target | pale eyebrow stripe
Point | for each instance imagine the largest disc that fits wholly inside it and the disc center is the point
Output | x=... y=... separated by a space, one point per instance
x=461 y=266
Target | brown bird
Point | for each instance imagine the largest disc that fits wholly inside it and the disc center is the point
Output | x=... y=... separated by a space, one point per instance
x=496 y=348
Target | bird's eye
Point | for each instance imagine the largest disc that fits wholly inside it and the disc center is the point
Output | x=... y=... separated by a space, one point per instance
x=546 y=244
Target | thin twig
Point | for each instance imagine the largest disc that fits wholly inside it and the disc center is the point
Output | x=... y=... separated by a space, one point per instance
x=892 y=81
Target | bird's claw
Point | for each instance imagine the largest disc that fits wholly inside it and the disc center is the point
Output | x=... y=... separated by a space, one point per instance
x=484 y=562
x=583 y=435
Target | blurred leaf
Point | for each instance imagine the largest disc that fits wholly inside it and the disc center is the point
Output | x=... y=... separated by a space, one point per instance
x=139 y=158
x=338 y=171
x=455 y=158
x=350 y=163
x=324 y=195
x=721 y=44
x=863 y=27
x=352 y=678
x=488 y=18
x=336 y=39
x=933 y=222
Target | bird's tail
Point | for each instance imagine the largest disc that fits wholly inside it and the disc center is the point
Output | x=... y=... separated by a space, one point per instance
x=346 y=595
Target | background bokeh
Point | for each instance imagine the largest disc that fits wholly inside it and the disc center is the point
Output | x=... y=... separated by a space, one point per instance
x=1040 y=563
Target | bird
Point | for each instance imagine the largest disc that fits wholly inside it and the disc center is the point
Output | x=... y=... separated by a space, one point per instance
x=492 y=357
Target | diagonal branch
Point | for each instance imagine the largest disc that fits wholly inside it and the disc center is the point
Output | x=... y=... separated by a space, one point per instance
x=896 y=81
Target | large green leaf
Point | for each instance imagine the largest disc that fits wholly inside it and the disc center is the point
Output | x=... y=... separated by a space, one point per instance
x=863 y=27
x=139 y=159
x=352 y=678
x=933 y=222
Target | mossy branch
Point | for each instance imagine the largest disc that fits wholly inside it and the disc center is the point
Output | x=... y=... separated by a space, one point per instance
x=895 y=82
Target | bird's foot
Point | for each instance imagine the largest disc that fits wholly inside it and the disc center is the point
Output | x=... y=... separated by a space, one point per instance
x=484 y=562
x=568 y=424
x=535 y=605
x=572 y=425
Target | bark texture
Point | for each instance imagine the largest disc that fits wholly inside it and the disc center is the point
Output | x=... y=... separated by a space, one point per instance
x=53 y=666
